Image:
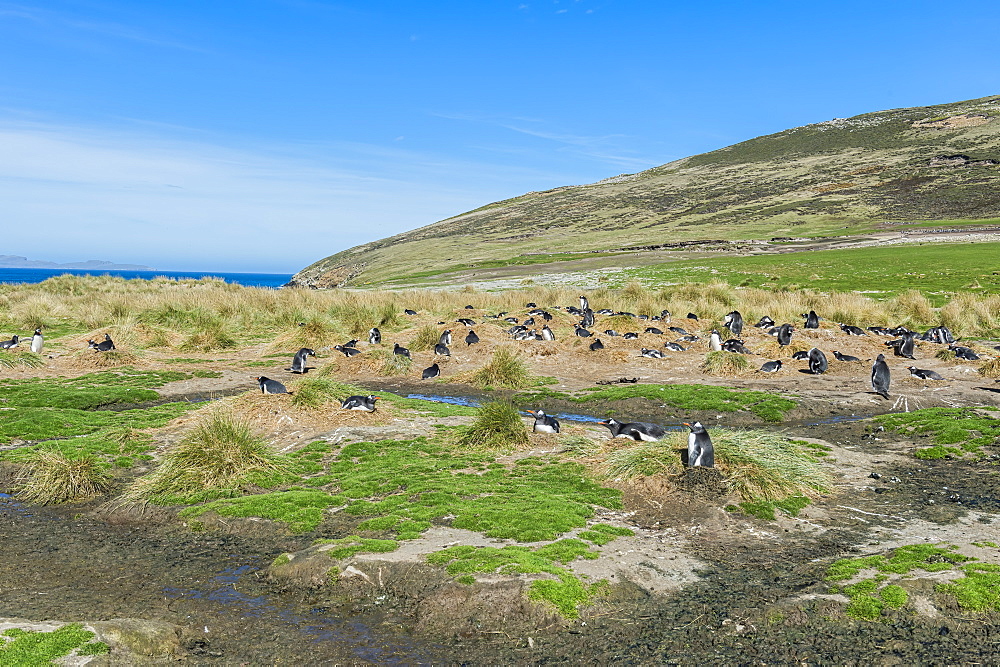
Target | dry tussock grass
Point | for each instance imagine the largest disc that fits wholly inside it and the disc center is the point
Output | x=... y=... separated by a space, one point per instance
x=277 y=414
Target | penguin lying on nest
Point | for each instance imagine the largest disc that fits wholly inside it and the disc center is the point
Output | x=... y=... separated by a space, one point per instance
x=269 y=386
x=544 y=423
x=634 y=430
x=361 y=403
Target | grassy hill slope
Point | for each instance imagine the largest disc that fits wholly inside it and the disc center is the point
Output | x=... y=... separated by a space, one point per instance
x=843 y=176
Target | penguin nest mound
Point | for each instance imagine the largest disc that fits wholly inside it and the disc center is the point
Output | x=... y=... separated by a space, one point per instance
x=278 y=414
x=770 y=348
x=991 y=369
x=727 y=364
x=88 y=358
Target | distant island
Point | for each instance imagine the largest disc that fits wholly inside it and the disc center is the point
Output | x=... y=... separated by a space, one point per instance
x=17 y=262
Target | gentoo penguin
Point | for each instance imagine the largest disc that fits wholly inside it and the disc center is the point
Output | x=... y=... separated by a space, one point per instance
x=880 y=376
x=923 y=373
x=588 y=318
x=801 y=355
x=611 y=332
x=544 y=423
x=531 y=304
x=269 y=386
x=673 y=347
x=665 y=315
x=902 y=346
x=431 y=371
x=441 y=350
x=634 y=430
x=817 y=361
x=651 y=354
x=852 y=330
x=471 y=338
x=596 y=345
x=400 y=350
x=348 y=351
x=584 y=303
x=7 y=344
x=701 y=452
x=547 y=333
x=764 y=323
x=961 y=352
x=631 y=335
x=583 y=333
x=654 y=331
x=812 y=320
x=445 y=338
x=37 y=341
x=410 y=311
x=692 y=316
x=470 y=307
x=785 y=334
x=771 y=366
x=363 y=403
x=844 y=357
x=466 y=321
x=737 y=346
x=679 y=330
x=299 y=361
x=715 y=341
x=734 y=322
x=374 y=336
x=104 y=346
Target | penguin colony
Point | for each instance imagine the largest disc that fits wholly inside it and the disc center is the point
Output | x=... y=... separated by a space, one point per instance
x=656 y=345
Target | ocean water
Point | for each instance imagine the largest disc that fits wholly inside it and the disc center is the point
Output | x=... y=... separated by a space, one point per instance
x=273 y=280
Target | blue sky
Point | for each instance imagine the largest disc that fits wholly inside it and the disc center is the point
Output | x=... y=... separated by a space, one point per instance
x=262 y=135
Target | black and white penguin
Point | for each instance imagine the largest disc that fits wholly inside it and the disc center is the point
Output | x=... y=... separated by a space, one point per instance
x=347 y=351
x=734 y=322
x=651 y=354
x=881 y=377
x=547 y=333
x=7 y=344
x=445 y=337
x=715 y=341
x=924 y=374
x=269 y=386
x=431 y=371
x=441 y=350
x=400 y=350
x=104 y=346
x=410 y=311
x=771 y=366
x=903 y=346
x=470 y=307
x=584 y=303
x=583 y=333
x=692 y=316
x=812 y=320
x=701 y=451
x=611 y=332
x=299 y=361
x=654 y=331
x=374 y=336
x=817 y=361
x=37 y=341
x=764 y=323
x=361 y=403
x=544 y=423
x=852 y=330
x=596 y=345
x=844 y=357
x=634 y=430
x=960 y=351
x=679 y=330
x=665 y=316
x=466 y=321
x=673 y=347
x=801 y=355
x=785 y=334
x=471 y=338
x=737 y=346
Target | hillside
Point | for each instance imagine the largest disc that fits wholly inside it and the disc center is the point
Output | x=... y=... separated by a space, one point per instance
x=840 y=177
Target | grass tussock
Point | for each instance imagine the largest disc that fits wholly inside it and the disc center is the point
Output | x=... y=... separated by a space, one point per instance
x=220 y=457
x=384 y=362
x=726 y=364
x=16 y=358
x=53 y=477
x=425 y=339
x=990 y=369
x=498 y=427
x=88 y=358
x=505 y=370
x=318 y=391
x=757 y=465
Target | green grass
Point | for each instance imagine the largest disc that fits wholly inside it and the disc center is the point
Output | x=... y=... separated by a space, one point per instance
x=353 y=544
x=302 y=510
x=765 y=509
x=893 y=269
x=120 y=386
x=765 y=405
x=54 y=478
x=601 y=533
x=498 y=426
x=979 y=589
x=40 y=424
x=566 y=593
x=954 y=431
x=29 y=647
x=506 y=370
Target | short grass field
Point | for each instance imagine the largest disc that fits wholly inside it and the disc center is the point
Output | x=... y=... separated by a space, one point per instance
x=936 y=270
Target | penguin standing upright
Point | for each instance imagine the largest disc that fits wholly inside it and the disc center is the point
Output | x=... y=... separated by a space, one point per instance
x=715 y=341
x=880 y=376
x=812 y=320
x=547 y=333
x=785 y=334
x=299 y=361
x=817 y=361
x=584 y=303
x=37 y=341
x=701 y=451
x=445 y=338
x=374 y=336
x=734 y=322
x=544 y=423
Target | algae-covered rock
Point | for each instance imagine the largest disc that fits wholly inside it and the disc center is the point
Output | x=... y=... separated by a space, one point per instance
x=139 y=637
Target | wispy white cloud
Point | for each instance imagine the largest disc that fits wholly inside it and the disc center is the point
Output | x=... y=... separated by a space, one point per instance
x=75 y=193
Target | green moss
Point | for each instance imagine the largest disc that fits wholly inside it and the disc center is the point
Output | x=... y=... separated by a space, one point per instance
x=283 y=559
x=894 y=596
x=602 y=533
x=964 y=428
x=766 y=406
x=984 y=543
x=28 y=647
x=301 y=510
x=466 y=579
x=765 y=509
x=206 y=374
x=351 y=545
x=979 y=589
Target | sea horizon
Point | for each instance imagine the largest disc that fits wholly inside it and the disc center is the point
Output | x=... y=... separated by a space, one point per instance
x=247 y=279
